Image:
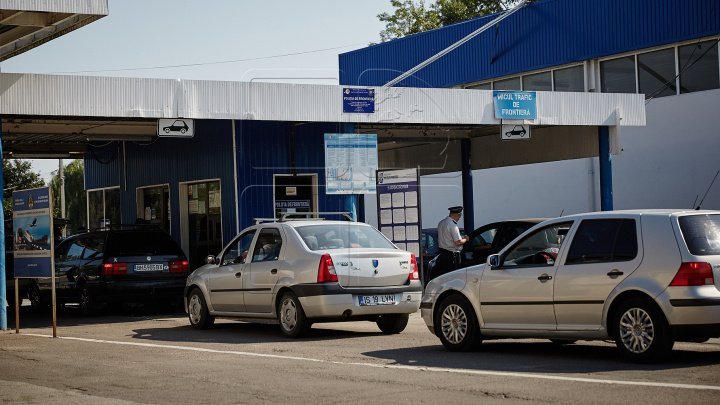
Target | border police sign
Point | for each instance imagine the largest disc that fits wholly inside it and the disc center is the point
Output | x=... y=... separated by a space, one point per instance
x=515 y=105
x=358 y=100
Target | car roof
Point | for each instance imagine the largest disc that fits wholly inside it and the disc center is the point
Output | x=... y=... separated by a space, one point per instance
x=301 y=223
x=639 y=212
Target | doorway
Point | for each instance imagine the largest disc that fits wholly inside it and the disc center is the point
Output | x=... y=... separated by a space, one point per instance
x=294 y=193
x=200 y=220
x=153 y=206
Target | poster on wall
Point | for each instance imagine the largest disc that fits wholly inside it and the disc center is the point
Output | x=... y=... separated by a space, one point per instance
x=351 y=161
x=32 y=233
x=399 y=208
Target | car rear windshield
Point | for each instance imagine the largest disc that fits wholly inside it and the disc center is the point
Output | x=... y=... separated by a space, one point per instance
x=702 y=234
x=338 y=236
x=142 y=243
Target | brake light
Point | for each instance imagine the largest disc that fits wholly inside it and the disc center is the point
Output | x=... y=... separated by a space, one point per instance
x=179 y=266
x=414 y=273
x=326 y=270
x=693 y=274
x=114 y=269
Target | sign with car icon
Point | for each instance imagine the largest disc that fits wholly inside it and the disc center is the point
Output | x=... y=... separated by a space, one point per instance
x=510 y=132
x=177 y=127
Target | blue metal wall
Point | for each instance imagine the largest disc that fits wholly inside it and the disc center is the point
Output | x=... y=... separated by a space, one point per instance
x=264 y=149
x=545 y=33
x=208 y=155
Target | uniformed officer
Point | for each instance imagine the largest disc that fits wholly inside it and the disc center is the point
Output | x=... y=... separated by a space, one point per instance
x=450 y=243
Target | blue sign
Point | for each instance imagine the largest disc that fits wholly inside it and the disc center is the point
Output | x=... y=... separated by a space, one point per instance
x=32 y=233
x=515 y=105
x=358 y=100
x=292 y=204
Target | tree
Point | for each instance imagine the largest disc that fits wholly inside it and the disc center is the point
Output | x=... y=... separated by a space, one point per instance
x=75 y=196
x=411 y=16
x=17 y=175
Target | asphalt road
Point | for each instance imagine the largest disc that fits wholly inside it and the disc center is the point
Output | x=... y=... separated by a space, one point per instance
x=158 y=358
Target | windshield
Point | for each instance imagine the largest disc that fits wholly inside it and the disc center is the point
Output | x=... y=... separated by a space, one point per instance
x=338 y=236
x=702 y=234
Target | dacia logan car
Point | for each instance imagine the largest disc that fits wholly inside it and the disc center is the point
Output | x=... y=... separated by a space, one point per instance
x=644 y=279
x=301 y=272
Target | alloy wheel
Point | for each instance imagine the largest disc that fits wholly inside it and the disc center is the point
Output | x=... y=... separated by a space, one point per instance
x=637 y=330
x=454 y=323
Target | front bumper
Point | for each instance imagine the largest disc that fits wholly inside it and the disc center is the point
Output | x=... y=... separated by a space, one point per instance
x=334 y=301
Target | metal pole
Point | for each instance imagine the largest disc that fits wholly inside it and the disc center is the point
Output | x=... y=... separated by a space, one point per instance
x=3 y=286
x=467 y=186
x=17 y=305
x=61 y=177
x=457 y=44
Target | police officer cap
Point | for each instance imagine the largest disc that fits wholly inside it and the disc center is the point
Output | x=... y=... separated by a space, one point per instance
x=456 y=209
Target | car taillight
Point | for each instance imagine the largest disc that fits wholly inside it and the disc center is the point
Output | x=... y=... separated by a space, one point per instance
x=114 y=269
x=179 y=266
x=693 y=274
x=414 y=273
x=326 y=270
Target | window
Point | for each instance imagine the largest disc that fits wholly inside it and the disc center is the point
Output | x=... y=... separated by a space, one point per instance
x=699 y=67
x=238 y=250
x=604 y=240
x=537 y=82
x=539 y=248
x=74 y=251
x=570 y=79
x=481 y=86
x=153 y=206
x=618 y=75
x=320 y=237
x=268 y=245
x=507 y=84
x=103 y=207
x=94 y=246
x=701 y=234
x=656 y=73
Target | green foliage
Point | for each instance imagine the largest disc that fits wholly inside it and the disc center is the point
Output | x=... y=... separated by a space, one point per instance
x=75 y=196
x=17 y=175
x=411 y=16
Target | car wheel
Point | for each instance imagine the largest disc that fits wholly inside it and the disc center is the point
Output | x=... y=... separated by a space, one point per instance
x=183 y=130
x=36 y=300
x=392 y=324
x=167 y=130
x=456 y=324
x=642 y=333
x=86 y=301
x=293 y=322
x=198 y=312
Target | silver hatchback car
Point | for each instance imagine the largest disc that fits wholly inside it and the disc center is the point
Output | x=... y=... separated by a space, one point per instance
x=642 y=278
x=300 y=272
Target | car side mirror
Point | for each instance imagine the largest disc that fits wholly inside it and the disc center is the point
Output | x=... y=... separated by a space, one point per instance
x=493 y=261
x=210 y=259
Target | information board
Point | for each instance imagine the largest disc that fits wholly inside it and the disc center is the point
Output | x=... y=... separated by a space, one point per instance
x=515 y=105
x=360 y=101
x=32 y=233
x=399 y=208
x=351 y=161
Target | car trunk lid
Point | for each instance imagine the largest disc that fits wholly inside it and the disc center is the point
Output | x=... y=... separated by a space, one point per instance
x=371 y=267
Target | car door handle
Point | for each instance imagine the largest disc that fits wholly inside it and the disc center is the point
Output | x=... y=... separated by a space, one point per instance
x=615 y=273
x=238 y=274
x=545 y=277
x=273 y=271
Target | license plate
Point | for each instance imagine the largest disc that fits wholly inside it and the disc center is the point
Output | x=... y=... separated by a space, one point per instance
x=376 y=299
x=150 y=267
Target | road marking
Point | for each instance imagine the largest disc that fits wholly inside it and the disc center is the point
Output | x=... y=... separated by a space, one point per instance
x=398 y=366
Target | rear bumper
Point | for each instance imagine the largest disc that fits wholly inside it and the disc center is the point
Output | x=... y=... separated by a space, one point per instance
x=127 y=291
x=689 y=309
x=334 y=301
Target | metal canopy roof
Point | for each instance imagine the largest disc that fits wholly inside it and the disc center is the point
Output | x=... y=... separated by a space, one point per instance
x=61 y=114
x=25 y=24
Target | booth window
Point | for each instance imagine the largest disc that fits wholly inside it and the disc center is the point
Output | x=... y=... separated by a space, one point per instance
x=699 y=66
x=537 y=82
x=618 y=75
x=103 y=207
x=656 y=73
x=481 y=86
x=512 y=83
x=570 y=79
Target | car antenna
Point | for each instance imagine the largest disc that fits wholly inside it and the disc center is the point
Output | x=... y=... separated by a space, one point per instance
x=561 y=212
x=696 y=197
x=708 y=190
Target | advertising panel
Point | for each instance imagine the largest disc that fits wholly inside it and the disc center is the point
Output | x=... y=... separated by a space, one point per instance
x=32 y=233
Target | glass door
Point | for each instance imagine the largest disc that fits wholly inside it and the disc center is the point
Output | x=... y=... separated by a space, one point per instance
x=204 y=221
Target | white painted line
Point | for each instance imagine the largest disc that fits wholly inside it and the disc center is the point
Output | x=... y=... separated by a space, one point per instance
x=400 y=367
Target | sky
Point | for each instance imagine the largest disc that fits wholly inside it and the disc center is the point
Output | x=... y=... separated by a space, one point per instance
x=140 y=38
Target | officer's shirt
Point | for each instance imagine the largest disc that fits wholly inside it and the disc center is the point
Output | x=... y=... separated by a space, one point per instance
x=448 y=233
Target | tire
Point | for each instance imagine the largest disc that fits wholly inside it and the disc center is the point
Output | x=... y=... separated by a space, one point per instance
x=291 y=315
x=86 y=301
x=198 y=312
x=392 y=324
x=37 y=303
x=641 y=331
x=456 y=324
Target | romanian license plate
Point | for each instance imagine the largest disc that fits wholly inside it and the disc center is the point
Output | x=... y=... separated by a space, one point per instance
x=150 y=267
x=388 y=299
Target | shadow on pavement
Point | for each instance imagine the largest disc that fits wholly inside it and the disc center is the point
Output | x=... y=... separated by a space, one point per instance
x=540 y=357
